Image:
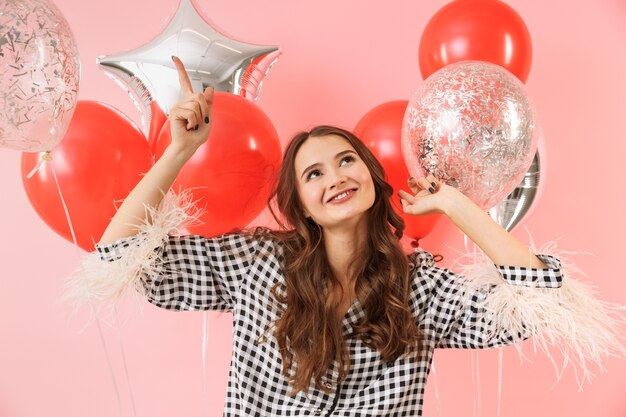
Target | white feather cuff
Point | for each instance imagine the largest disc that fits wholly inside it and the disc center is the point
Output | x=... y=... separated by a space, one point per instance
x=571 y=319
x=104 y=275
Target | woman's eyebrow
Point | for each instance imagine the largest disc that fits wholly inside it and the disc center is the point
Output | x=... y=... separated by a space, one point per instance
x=315 y=165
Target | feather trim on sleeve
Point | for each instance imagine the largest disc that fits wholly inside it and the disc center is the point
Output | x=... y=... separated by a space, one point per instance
x=105 y=275
x=572 y=319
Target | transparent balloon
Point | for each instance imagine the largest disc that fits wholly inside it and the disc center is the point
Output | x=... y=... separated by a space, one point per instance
x=472 y=125
x=39 y=75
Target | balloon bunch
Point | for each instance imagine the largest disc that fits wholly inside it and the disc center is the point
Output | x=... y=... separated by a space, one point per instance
x=472 y=123
x=76 y=169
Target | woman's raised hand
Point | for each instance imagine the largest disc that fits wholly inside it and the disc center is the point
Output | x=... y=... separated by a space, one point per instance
x=190 y=118
x=429 y=196
x=190 y=124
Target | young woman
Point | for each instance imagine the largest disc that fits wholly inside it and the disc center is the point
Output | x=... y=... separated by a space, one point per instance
x=330 y=316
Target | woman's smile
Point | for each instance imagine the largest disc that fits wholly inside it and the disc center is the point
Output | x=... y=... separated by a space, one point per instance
x=342 y=196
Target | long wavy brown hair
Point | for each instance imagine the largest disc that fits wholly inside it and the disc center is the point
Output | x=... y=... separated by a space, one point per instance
x=309 y=330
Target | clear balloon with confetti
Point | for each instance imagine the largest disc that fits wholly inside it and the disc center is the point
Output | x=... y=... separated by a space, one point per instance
x=39 y=75
x=473 y=126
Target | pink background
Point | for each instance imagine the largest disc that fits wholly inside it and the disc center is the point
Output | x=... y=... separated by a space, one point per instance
x=341 y=58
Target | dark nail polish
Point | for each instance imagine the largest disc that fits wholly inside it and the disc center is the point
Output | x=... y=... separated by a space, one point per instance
x=433 y=184
x=432 y=190
x=410 y=179
x=196 y=128
x=206 y=119
x=172 y=57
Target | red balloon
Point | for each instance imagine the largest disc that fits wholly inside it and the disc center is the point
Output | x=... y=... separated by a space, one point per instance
x=157 y=120
x=231 y=175
x=380 y=129
x=99 y=161
x=480 y=30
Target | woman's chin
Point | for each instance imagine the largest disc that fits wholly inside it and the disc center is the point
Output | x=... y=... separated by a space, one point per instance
x=348 y=219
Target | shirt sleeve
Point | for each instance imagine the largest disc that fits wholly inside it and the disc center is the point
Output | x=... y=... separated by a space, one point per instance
x=455 y=313
x=192 y=272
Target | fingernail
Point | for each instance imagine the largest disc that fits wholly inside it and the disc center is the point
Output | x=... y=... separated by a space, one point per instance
x=206 y=119
x=433 y=184
x=172 y=57
x=410 y=179
x=196 y=128
x=432 y=190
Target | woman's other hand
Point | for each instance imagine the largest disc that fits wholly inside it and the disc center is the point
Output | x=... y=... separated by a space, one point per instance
x=429 y=195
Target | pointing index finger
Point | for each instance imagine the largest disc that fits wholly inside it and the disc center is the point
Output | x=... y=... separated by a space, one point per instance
x=183 y=78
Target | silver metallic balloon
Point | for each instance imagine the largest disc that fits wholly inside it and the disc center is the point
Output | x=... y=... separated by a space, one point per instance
x=510 y=211
x=471 y=125
x=39 y=75
x=210 y=58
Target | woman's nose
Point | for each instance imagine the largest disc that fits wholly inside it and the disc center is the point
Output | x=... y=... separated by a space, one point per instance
x=336 y=179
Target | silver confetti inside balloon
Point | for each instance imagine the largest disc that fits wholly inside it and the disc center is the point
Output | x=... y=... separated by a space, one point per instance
x=39 y=75
x=515 y=206
x=472 y=125
x=210 y=57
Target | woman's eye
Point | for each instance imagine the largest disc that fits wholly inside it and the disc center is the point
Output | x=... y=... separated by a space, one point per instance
x=348 y=158
x=310 y=176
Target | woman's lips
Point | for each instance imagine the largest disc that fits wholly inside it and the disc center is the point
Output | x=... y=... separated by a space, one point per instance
x=345 y=196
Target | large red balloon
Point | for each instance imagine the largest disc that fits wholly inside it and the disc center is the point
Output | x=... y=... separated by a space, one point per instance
x=231 y=175
x=479 y=30
x=157 y=120
x=380 y=129
x=99 y=161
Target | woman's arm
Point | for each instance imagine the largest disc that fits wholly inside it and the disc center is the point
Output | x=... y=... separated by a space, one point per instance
x=190 y=126
x=501 y=246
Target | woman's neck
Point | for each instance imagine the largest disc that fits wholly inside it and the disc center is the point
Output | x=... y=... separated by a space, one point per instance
x=342 y=244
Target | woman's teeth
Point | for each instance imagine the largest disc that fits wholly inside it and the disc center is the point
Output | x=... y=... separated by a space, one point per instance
x=340 y=196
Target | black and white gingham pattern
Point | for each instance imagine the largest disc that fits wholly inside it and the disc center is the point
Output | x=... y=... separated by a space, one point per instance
x=236 y=273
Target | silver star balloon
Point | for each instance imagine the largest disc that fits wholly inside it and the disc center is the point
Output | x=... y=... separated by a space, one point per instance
x=211 y=58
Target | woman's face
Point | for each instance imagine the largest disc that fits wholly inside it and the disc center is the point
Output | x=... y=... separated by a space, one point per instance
x=334 y=184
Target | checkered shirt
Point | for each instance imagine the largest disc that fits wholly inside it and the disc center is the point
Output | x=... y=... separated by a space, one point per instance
x=236 y=273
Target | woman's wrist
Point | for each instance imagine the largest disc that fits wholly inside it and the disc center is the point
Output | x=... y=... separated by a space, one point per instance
x=177 y=154
x=456 y=205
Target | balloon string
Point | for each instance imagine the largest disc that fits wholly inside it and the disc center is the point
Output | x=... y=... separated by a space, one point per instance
x=436 y=383
x=47 y=157
x=130 y=391
x=108 y=359
x=205 y=325
x=476 y=382
x=67 y=213
x=500 y=363
x=474 y=356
